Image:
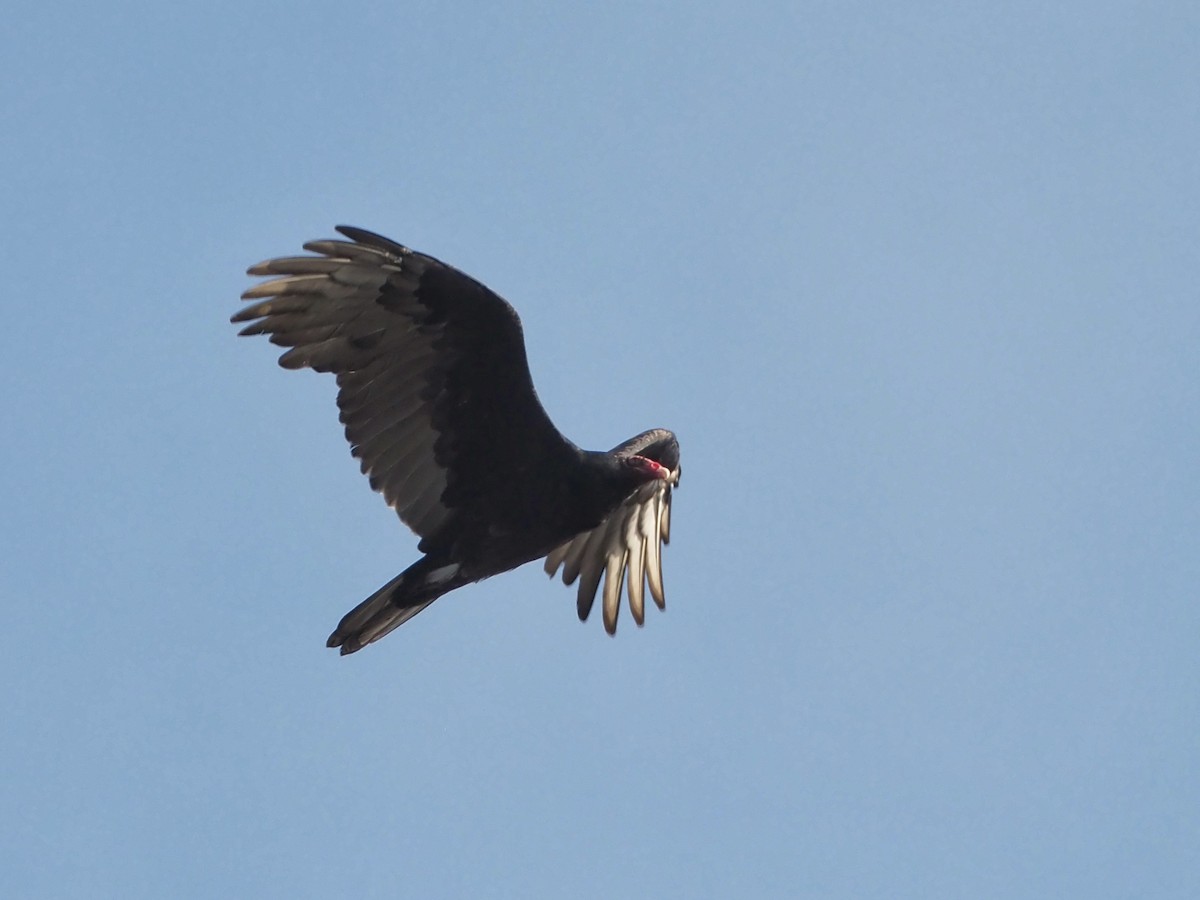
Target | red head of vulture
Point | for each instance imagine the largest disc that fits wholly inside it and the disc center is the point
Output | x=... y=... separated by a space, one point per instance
x=439 y=408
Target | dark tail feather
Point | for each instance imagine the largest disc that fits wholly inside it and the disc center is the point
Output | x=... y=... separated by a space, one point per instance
x=392 y=605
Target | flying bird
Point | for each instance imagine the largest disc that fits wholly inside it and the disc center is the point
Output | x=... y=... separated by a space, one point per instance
x=439 y=408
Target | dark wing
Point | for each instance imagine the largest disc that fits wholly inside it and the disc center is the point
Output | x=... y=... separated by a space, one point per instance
x=626 y=546
x=434 y=385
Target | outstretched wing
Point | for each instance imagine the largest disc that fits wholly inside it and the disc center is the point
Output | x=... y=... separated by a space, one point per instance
x=434 y=385
x=627 y=546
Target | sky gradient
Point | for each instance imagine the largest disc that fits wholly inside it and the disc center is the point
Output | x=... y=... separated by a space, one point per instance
x=916 y=286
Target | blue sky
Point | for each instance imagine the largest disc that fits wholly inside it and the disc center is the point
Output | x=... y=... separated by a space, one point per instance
x=915 y=284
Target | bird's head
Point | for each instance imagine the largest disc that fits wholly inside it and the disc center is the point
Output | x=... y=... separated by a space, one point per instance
x=646 y=469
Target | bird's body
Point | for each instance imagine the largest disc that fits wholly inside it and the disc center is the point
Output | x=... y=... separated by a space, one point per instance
x=439 y=407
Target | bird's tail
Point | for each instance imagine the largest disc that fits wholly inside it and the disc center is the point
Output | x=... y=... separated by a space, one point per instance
x=393 y=605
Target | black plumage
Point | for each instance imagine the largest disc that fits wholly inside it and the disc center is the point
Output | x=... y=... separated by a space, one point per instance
x=440 y=409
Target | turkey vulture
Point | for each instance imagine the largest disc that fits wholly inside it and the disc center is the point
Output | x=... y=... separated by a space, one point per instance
x=439 y=408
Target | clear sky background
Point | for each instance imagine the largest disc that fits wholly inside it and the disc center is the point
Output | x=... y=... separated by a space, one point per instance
x=917 y=287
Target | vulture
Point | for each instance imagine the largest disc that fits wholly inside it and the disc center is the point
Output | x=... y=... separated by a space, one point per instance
x=439 y=408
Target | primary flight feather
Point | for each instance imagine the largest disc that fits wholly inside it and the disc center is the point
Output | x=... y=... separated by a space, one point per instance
x=439 y=408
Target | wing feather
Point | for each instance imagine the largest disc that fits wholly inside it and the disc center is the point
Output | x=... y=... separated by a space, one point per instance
x=555 y=557
x=591 y=563
x=635 y=578
x=434 y=385
x=654 y=555
x=624 y=549
x=664 y=522
x=614 y=573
